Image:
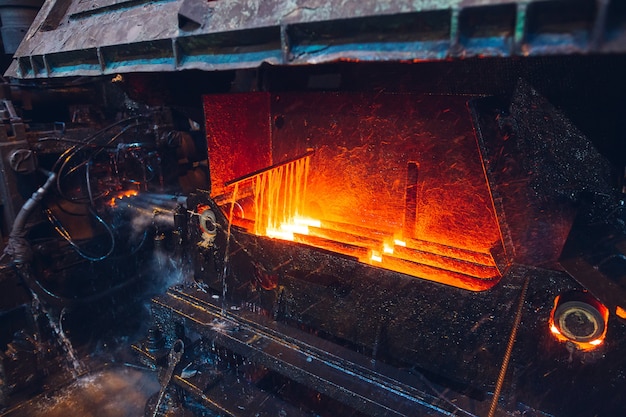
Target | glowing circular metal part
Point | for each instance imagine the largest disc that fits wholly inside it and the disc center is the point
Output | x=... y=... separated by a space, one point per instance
x=579 y=321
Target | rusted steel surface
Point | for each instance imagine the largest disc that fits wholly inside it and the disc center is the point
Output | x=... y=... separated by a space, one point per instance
x=93 y=37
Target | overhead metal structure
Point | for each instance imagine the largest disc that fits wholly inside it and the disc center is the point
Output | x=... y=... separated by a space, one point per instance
x=88 y=37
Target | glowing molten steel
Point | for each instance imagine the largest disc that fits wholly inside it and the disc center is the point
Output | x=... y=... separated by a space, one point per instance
x=279 y=196
x=395 y=181
x=296 y=225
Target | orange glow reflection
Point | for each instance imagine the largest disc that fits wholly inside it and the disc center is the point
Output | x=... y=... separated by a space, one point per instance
x=121 y=195
x=582 y=346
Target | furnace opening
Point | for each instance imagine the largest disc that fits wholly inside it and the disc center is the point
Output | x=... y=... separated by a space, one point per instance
x=393 y=180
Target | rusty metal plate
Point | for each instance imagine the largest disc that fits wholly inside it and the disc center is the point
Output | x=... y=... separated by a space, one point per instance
x=171 y=35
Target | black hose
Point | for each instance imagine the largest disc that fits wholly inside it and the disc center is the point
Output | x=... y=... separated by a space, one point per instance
x=18 y=246
x=58 y=227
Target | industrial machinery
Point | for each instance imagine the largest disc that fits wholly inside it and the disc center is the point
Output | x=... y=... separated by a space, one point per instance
x=356 y=208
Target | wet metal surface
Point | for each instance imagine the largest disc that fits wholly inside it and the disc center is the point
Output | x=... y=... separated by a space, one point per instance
x=115 y=391
x=373 y=388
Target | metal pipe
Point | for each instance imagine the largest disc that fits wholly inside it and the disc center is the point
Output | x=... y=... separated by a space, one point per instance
x=309 y=152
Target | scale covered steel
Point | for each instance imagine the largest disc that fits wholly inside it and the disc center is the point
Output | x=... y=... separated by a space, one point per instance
x=95 y=37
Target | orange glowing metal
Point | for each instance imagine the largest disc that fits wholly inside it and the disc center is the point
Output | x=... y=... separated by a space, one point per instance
x=279 y=196
x=582 y=346
x=412 y=198
x=295 y=228
x=554 y=330
x=122 y=195
x=307 y=221
x=620 y=312
x=279 y=234
x=287 y=231
x=376 y=256
x=202 y=208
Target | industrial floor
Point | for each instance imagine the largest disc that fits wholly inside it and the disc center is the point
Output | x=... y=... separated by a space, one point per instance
x=116 y=391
